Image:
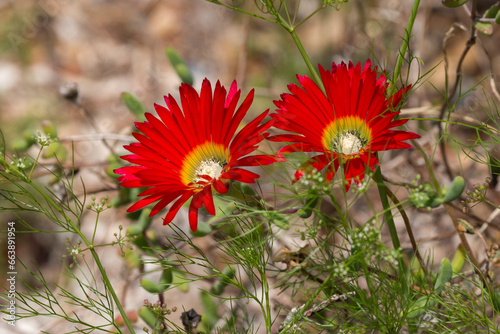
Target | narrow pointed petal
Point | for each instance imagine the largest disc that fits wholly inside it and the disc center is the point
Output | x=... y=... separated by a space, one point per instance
x=347 y=123
x=192 y=147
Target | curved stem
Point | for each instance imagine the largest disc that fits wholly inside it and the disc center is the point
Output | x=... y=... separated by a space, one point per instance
x=409 y=230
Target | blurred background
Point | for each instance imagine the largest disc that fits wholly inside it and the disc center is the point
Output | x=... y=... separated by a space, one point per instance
x=108 y=47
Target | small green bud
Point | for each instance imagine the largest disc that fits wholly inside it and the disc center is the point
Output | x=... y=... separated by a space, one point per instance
x=484 y=27
x=150 y=318
x=444 y=276
x=458 y=260
x=151 y=286
x=179 y=66
x=455 y=189
x=492 y=12
x=134 y=106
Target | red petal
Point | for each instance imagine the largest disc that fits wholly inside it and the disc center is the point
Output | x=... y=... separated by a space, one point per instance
x=241 y=175
x=208 y=200
x=176 y=206
x=220 y=187
x=143 y=202
x=193 y=218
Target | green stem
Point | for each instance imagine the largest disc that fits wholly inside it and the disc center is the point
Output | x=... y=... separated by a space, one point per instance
x=388 y=218
x=34 y=163
x=95 y=227
x=291 y=29
x=378 y=175
x=307 y=60
x=267 y=315
x=387 y=208
x=404 y=48
x=94 y=255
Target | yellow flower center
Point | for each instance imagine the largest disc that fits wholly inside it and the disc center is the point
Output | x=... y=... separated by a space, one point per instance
x=206 y=159
x=346 y=135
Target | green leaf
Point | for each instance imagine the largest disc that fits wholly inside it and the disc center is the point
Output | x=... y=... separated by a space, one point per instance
x=179 y=66
x=150 y=319
x=455 y=189
x=166 y=277
x=458 y=260
x=161 y=286
x=180 y=281
x=483 y=27
x=210 y=317
x=49 y=129
x=492 y=12
x=420 y=307
x=134 y=106
x=416 y=269
x=57 y=150
x=151 y=286
x=495 y=298
x=444 y=276
x=132 y=258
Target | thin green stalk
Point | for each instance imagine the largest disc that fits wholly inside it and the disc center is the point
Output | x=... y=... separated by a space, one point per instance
x=95 y=227
x=94 y=255
x=291 y=29
x=267 y=315
x=385 y=203
x=378 y=175
x=307 y=60
x=34 y=163
x=404 y=47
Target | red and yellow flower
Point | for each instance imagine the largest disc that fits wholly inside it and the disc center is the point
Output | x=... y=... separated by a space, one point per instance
x=347 y=125
x=191 y=149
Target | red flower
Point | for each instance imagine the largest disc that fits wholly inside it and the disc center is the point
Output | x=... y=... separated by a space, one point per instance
x=190 y=151
x=347 y=126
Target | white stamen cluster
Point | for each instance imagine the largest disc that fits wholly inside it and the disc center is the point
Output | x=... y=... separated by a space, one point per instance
x=208 y=167
x=348 y=143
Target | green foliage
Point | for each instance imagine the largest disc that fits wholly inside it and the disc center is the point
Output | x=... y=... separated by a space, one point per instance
x=135 y=106
x=335 y=270
x=179 y=65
